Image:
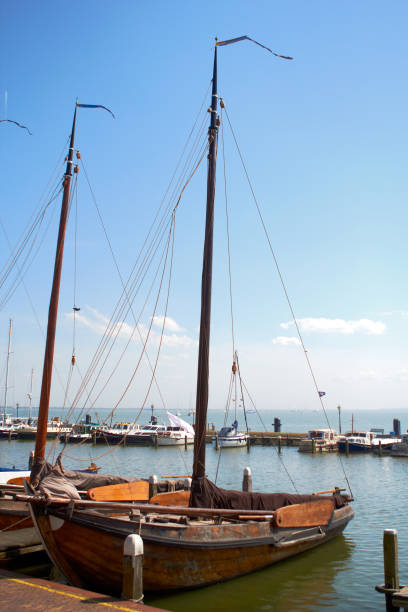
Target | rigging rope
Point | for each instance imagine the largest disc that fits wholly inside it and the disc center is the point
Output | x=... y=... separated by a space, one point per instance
x=285 y=291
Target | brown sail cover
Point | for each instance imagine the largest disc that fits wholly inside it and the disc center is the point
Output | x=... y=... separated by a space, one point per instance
x=205 y=494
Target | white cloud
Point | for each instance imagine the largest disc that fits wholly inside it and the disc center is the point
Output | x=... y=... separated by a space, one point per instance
x=171 y=324
x=338 y=326
x=98 y=322
x=286 y=341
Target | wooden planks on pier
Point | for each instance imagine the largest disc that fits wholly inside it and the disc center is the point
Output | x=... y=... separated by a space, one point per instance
x=20 y=592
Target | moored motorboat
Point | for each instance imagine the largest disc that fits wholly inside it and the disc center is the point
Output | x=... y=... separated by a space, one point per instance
x=319 y=441
x=178 y=433
x=356 y=442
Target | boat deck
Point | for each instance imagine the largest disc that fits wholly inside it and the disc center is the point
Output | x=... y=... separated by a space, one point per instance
x=20 y=591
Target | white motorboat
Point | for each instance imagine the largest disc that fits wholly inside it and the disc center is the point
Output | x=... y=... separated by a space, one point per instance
x=319 y=441
x=178 y=433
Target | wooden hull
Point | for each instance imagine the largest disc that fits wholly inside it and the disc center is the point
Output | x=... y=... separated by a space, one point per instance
x=88 y=548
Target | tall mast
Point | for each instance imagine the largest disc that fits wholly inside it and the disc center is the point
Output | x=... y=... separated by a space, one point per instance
x=41 y=437
x=206 y=282
x=7 y=371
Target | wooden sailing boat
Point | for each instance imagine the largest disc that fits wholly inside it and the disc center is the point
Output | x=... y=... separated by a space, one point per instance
x=206 y=536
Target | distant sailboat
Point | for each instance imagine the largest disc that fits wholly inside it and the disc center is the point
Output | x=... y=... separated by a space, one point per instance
x=230 y=437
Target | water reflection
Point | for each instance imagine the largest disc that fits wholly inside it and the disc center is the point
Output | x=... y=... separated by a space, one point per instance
x=307 y=582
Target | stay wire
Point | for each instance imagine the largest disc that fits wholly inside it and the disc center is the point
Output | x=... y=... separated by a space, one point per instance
x=143 y=264
x=228 y=235
x=187 y=182
x=145 y=344
x=285 y=292
x=118 y=270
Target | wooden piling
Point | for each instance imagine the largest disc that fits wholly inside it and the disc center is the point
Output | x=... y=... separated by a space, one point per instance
x=279 y=445
x=391 y=578
x=247 y=480
x=153 y=485
x=347 y=447
x=185 y=442
x=132 y=583
x=313 y=446
x=216 y=442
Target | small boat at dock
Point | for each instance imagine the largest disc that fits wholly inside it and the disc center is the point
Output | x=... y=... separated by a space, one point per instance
x=319 y=441
x=230 y=437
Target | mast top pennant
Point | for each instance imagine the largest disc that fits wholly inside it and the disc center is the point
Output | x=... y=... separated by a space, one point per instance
x=95 y=106
x=223 y=43
x=15 y=123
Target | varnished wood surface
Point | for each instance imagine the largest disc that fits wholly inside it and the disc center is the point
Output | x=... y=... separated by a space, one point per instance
x=172 y=498
x=309 y=514
x=137 y=490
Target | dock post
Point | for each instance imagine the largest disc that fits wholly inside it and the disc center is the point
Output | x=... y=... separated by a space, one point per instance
x=31 y=460
x=94 y=438
x=185 y=442
x=132 y=582
x=279 y=445
x=216 y=442
x=347 y=447
x=380 y=448
x=153 y=485
x=313 y=446
x=247 y=480
x=156 y=440
x=391 y=579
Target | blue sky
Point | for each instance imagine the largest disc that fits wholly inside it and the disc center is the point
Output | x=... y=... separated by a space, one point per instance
x=324 y=142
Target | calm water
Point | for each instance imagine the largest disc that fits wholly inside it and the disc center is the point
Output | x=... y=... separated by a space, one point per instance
x=339 y=575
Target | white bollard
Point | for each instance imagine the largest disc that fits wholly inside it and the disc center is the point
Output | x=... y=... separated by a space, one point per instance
x=132 y=583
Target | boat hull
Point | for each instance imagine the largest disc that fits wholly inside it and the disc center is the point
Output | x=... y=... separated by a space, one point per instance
x=161 y=441
x=353 y=447
x=88 y=548
x=232 y=442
